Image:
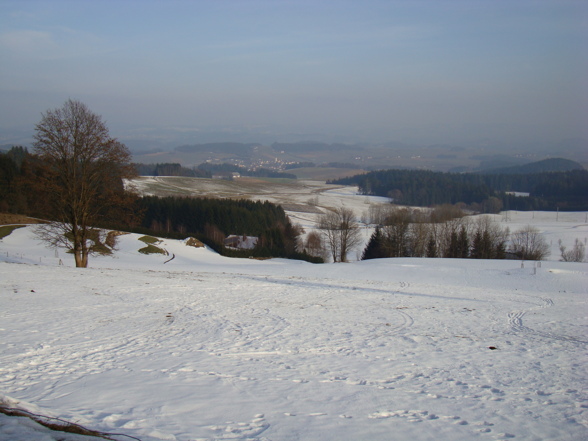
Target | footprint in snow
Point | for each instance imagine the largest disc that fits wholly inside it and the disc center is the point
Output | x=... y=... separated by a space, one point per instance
x=412 y=416
x=246 y=430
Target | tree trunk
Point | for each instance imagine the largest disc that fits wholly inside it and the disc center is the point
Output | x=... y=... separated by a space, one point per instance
x=80 y=260
x=80 y=248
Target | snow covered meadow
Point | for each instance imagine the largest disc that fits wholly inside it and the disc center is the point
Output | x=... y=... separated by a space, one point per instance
x=210 y=348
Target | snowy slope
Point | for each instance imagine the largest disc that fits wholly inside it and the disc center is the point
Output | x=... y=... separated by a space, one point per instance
x=209 y=348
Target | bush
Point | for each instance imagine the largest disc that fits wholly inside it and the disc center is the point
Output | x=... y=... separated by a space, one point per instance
x=528 y=244
x=576 y=254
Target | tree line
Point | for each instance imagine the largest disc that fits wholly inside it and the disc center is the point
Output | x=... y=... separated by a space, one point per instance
x=444 y=232
x=548 y=191
x=414 y=233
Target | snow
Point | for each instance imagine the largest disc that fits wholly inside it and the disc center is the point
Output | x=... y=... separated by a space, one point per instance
x=241 y=242
x=205 y=347
x=518 y=193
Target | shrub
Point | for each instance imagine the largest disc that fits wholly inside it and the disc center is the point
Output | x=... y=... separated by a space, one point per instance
x=528 y=244
x=576 y=254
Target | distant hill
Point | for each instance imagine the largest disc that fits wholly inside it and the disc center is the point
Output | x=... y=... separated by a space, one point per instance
x=218 y=147
x=311 y=146
x=546 y=165
x=499 y=161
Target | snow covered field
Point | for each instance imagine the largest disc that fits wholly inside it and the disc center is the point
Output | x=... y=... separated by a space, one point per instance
x=210 y=348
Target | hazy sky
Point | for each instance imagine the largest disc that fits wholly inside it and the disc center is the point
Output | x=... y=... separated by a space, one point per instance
x=430 y=71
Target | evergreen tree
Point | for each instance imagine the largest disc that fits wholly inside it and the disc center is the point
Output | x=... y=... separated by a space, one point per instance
x=488 y=249
x=500 y=250
x=463 y=244
x=453 y=250
x=483 y=247
x=477 y=246
x=431 y=247
x=374 y=249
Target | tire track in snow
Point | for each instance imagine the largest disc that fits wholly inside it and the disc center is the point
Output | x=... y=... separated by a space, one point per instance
x=323 y=324
x=515 y=321
x=86 y=349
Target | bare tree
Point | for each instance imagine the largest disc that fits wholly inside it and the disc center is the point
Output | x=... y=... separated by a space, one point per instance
x=445 y=230
x=313 y=245
x=341 y=232
x=492 y=205
x=420 y=232
x=576 y=254
x=445 y=213
x=396 y=231
x=328 y=225
x=528 y=244
x=82 y=174
x=377 y=214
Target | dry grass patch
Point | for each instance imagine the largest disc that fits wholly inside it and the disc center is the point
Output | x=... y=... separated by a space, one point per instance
x=6 y=230
x=151 y=247
x=19 y=219
x=193 y=242
x=149 y=240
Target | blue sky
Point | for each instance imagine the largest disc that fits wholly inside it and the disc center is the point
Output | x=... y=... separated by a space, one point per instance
x=424 y=71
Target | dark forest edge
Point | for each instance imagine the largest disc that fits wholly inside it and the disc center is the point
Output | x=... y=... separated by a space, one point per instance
x=484 y=193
